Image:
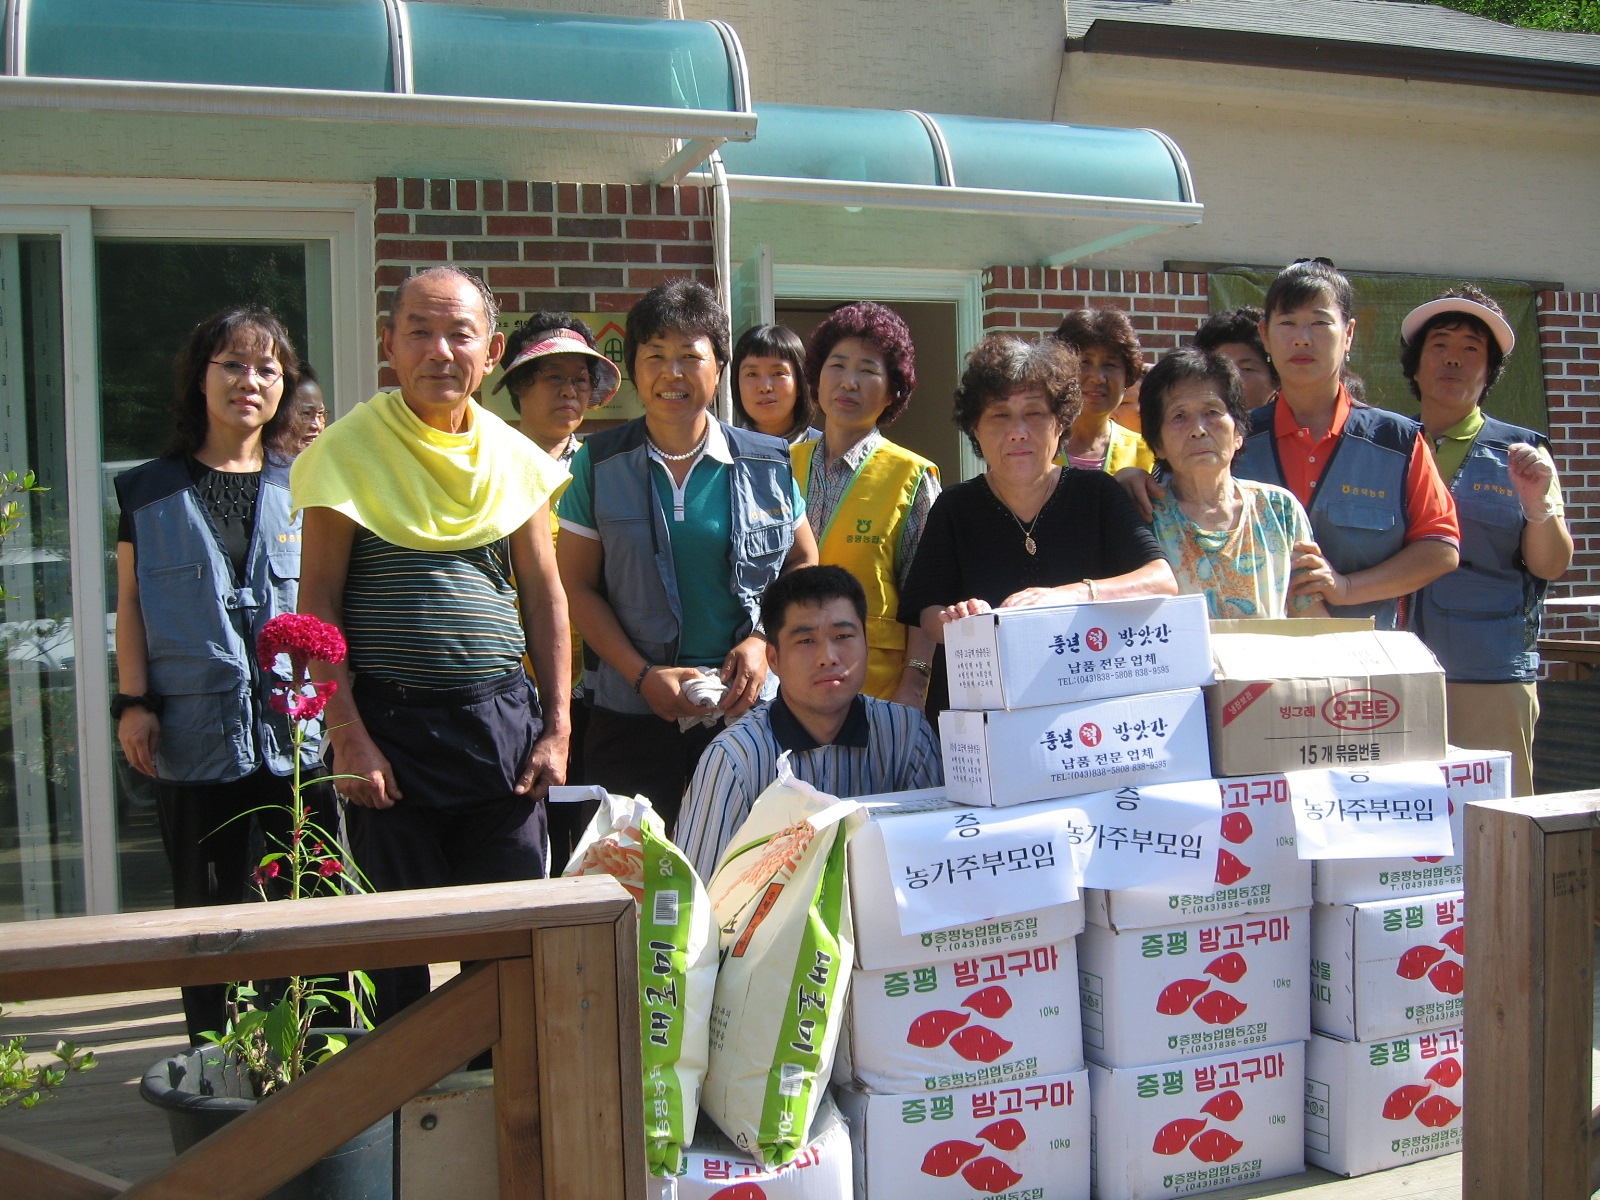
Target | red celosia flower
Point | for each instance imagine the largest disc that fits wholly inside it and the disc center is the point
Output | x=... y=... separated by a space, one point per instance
x=266 y=871
x=300 y=707
x=303 y=637
x=329 y=866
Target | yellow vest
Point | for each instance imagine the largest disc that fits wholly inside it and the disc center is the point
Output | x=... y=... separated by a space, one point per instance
x=1126 y=449
x=863 y=536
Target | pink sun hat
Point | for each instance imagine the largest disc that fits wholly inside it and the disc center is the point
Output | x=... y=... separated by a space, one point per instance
x=569 y=341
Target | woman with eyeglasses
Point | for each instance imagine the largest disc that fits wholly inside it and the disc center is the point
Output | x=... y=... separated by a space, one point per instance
x=208 y=551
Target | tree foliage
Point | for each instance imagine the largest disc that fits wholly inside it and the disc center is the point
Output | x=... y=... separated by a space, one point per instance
x=1558 y=16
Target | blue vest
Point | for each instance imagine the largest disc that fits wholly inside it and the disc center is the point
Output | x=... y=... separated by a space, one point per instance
x=1358 y=508
x=201 y=623
x=1482 y=619
x=639 y=577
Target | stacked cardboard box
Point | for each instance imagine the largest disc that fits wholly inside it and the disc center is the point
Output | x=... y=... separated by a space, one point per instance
x=961 y=1070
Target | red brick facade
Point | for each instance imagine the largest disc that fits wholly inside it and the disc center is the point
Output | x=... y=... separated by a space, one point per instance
x=1164 y=306
x=581 y=247
x=1569 y=336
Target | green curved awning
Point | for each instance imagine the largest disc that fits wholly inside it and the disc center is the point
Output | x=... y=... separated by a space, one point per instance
x=864 y=145
x=419 y=47
x=1069 y=160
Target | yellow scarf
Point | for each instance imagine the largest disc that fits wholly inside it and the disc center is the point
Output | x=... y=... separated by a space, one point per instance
x=420 y=488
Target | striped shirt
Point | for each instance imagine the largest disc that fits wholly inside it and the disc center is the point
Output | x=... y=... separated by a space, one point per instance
x=432 y=619
x=882 y=747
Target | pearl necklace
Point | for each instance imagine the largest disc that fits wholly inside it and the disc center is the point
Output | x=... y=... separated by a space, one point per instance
x=692 y=452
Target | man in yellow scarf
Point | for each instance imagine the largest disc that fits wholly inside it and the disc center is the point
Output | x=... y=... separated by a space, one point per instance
x=427 y=541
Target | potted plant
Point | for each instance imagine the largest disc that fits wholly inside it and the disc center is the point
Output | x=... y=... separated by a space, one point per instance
x=270 y=1042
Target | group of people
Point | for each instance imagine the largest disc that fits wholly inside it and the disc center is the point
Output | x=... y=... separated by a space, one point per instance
x=666 y=606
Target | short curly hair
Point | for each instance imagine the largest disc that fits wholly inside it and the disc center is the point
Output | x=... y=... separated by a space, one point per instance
x=1107 y=328
x=683 y=305
x=1001 y=364
x=883 y=327
x=1185 y=366
x=1411 y=352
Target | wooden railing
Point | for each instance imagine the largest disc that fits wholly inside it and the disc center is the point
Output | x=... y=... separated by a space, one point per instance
x=552 y=987
x=1529 y=1133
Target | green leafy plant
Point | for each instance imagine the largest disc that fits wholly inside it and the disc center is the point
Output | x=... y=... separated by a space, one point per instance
x=12 y=485
x=25 y=1086
x=1560 y=16
x=277 y=1042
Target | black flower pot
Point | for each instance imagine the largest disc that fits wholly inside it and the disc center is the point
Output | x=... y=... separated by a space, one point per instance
x=200 y=1094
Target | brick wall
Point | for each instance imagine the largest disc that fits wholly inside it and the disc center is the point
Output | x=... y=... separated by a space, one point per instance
x=581 y=247
x=1164 y=306
x=1569 y=337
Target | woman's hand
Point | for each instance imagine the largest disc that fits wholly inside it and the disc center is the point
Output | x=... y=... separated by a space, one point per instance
x=663 y=691
x=139 y=731
x=1530 y=475
x=1070 y=593
x=1142 y=489
x=745 y=673
x=1313 y=575
x=966 y=608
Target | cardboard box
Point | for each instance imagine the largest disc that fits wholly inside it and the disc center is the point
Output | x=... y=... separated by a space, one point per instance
x=879 y=942
x=1063 y=654
x=1389 y=967
x=1179 y=1128
x=1000 y=758
x=1372 y=1105
x=1288 y=697
x=1017 y=1139
x=1188 y=991
x=985 y=1019
x=1471 y=775
x=821 y=1171
x=1258 y=868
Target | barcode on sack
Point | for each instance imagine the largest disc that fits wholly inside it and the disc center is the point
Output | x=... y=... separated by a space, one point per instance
x=666 y=908
x=791 y=1079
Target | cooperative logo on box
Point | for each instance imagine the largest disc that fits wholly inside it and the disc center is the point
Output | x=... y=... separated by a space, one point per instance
x=1360 y=709
x=1096 y=639
x=1089 y=734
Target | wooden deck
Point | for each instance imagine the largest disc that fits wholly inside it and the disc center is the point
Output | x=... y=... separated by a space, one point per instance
x=98 y=1120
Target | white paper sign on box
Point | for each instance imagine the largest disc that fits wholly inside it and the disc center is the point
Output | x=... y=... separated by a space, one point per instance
x=1469 y=775
x=990 y=1018
x=1371 y=812
x=1374 y=1105
x=1179 y=1128
x=1388 y=968
x=996 y=758
x=1016 y=1139
x=1186 y=991
x=1257 y=866
x=879 y=942
x=821 y=1171
x=1061 y=654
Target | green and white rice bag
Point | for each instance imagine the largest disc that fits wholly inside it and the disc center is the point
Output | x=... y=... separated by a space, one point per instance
x=677 y=963
x=783 y=914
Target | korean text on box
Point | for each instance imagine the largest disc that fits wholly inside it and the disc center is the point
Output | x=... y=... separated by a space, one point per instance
x=1374 y=1105
x=1388 y=968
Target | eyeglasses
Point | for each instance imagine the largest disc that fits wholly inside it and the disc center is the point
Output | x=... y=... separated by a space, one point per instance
x=554 y=379
x=1321 y=262
x=238 y=372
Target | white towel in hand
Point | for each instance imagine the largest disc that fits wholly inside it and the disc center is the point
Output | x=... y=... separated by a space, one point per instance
x=706 y=691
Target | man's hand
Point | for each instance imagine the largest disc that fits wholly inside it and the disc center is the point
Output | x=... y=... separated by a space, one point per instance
x=362 y=775
x=745 y=672
x=139 y=731
x=1142 y=489
x=1313 y=575
x=1531 y=474
x=547 y=766
x=663 y=691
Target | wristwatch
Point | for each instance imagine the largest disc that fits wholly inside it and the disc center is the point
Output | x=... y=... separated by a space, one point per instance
x=122 y=702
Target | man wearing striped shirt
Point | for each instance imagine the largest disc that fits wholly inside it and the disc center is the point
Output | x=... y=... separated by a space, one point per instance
x=838 y=740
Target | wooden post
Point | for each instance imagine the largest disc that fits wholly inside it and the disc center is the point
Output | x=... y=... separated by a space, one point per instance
x=518 y=1135
x=1529 y=999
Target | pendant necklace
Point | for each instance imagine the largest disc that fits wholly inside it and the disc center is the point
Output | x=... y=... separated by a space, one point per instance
x=1028 y=544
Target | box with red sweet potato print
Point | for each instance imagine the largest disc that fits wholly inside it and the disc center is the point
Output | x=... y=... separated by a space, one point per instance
x=1187 y=991
x=879 y=942
x=1470 y=775
x=990 y=1017
x=1027 y=1140
x=1373 y=1105
x=1388 y=968
x=1180 y=1128
x=715 y=1169
x=1258 y=866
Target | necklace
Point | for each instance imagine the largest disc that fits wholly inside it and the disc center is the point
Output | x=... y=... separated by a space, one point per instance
x=694 y=450
x=1028 y=544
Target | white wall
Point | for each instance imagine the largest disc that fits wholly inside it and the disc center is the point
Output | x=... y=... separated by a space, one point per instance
x=1377 y=174
x=994 y=58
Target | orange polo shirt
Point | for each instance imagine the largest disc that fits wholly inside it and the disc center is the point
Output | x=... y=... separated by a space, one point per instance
x=1430 y=509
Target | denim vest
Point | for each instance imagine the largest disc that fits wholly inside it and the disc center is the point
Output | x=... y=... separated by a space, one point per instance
x=201 y=623
x=1358 y=508
x=639 y=577
x=1482 y=619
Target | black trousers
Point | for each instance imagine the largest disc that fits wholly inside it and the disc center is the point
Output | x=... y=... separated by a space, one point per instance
x=644 y=756
x=209 y=832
